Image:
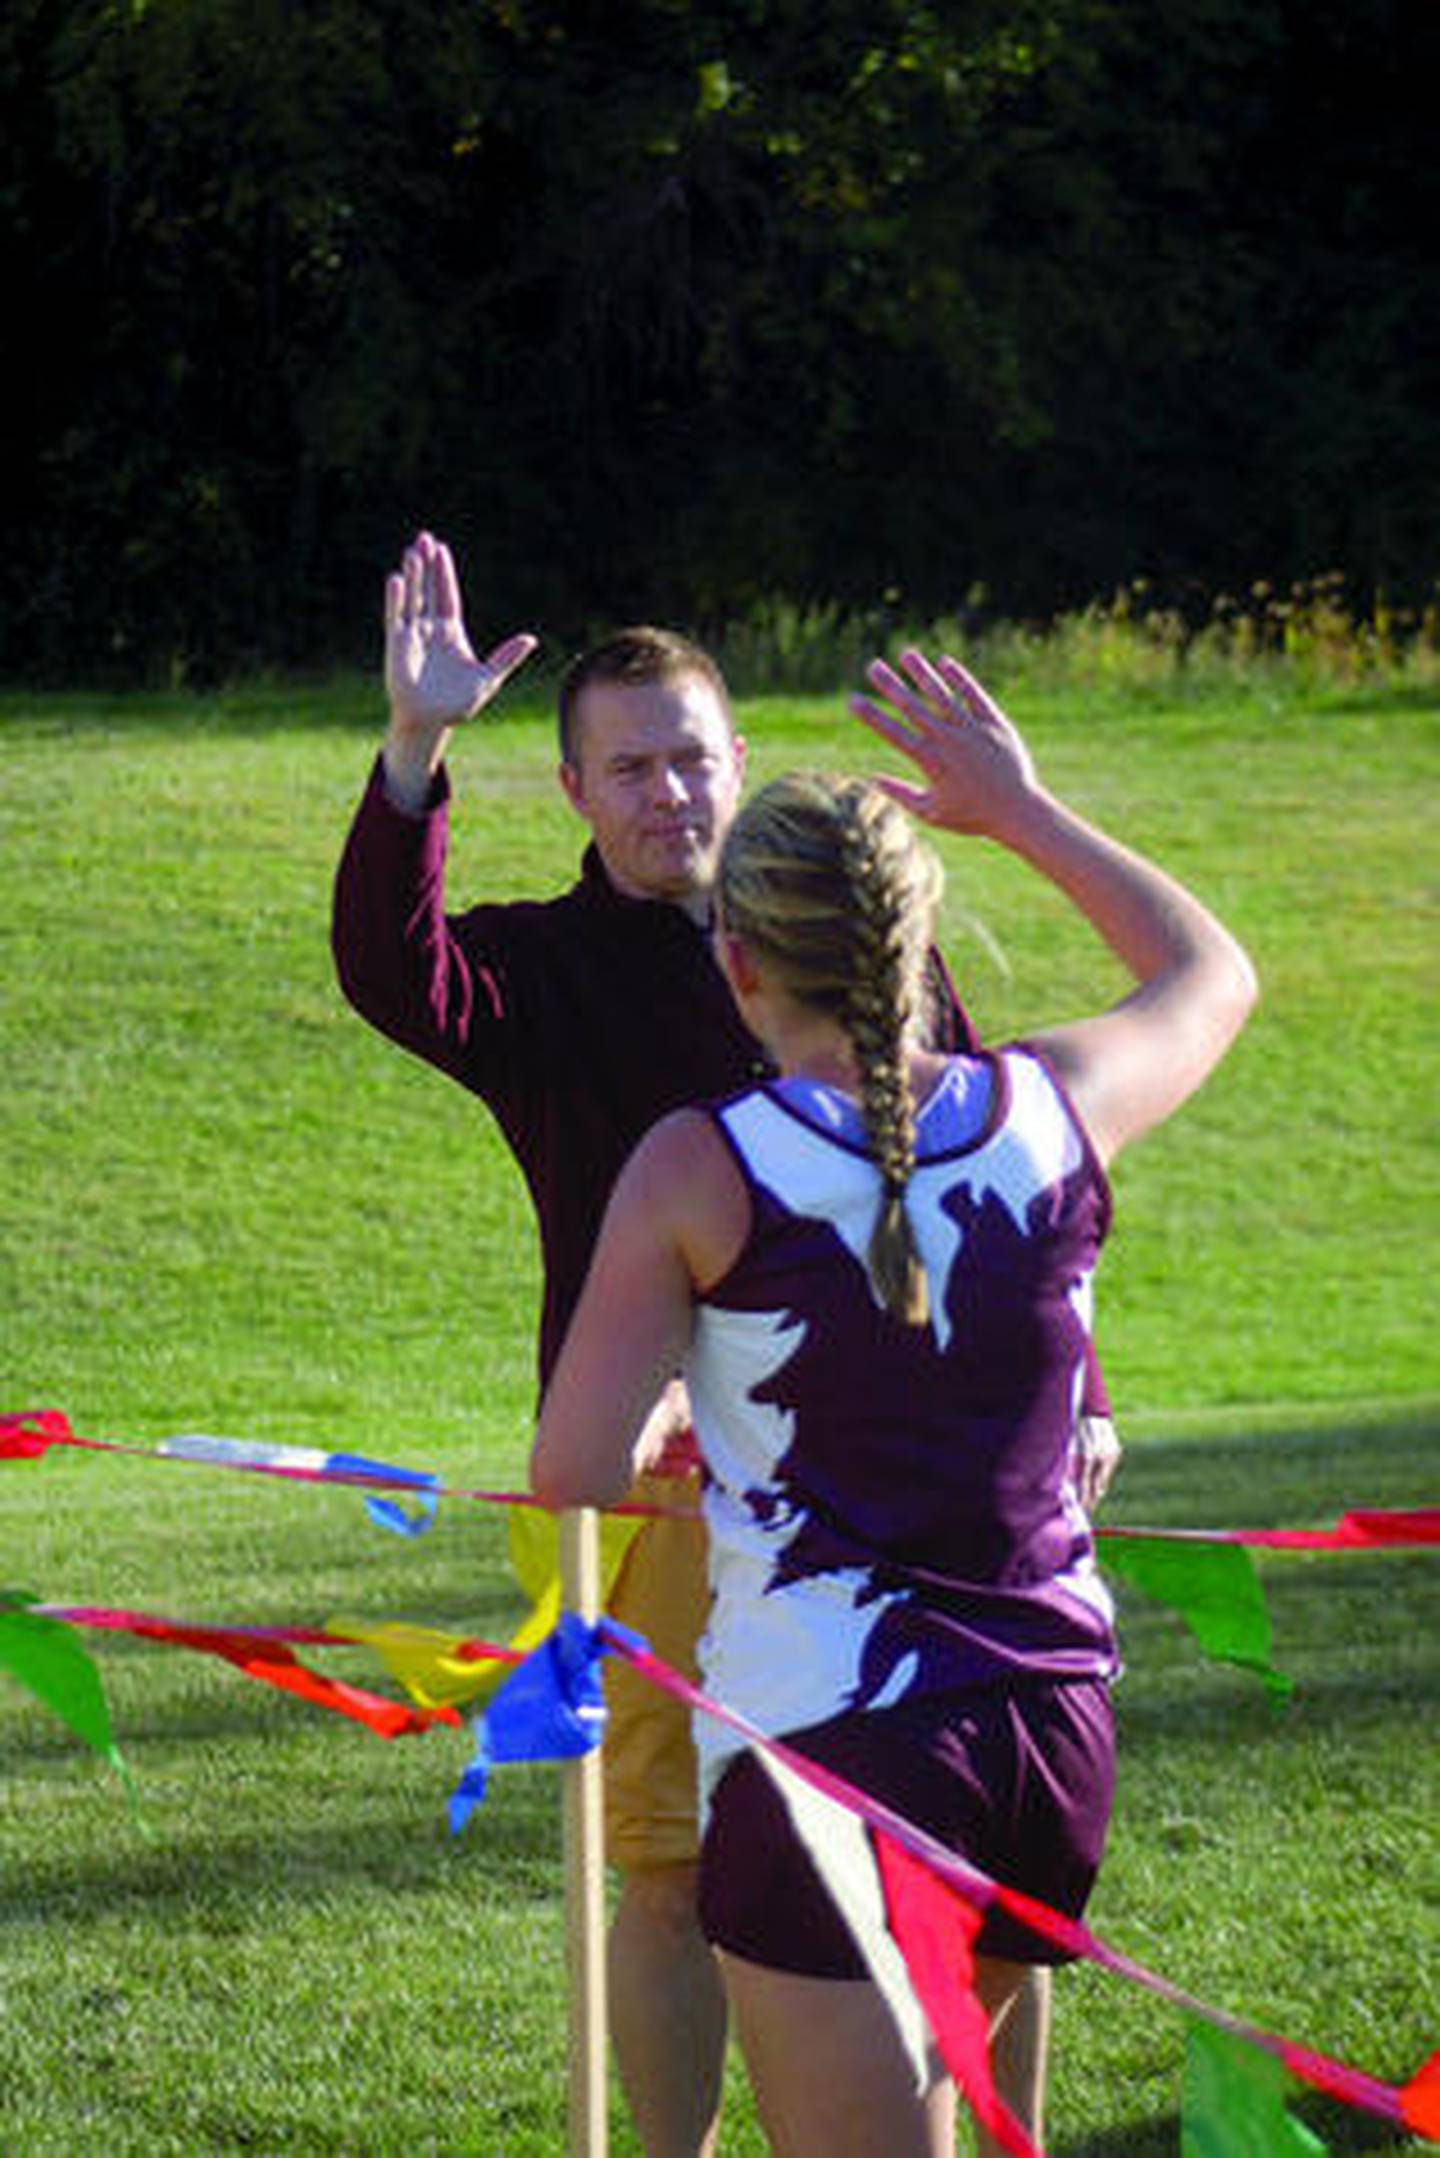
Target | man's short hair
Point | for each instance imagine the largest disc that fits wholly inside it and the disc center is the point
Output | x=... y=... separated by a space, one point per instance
x=631 y=657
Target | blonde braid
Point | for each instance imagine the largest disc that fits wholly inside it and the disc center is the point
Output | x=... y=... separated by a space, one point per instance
x=827 y=879
x=880 y=861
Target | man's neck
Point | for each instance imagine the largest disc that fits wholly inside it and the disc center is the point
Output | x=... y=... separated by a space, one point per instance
x=697 y=903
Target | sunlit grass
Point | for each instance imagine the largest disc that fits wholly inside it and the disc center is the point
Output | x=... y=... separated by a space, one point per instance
x=230 y=1208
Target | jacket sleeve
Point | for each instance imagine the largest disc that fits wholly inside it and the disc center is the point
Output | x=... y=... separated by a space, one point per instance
x=398 y=957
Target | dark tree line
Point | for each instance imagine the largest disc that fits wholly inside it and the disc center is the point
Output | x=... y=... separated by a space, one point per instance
x=663 y=308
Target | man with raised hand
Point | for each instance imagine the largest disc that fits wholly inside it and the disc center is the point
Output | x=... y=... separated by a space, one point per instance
x=579 y=1021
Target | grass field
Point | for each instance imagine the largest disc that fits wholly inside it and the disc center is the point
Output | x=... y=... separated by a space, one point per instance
x=230 y=1208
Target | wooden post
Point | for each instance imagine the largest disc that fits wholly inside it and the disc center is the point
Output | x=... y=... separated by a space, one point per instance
x=589 y=2100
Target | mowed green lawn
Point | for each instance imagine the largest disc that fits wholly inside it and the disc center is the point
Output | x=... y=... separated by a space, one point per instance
x=229 y=1208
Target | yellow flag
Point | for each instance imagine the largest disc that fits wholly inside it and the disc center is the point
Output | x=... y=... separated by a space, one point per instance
x=436 y=1669
x=428 y=1664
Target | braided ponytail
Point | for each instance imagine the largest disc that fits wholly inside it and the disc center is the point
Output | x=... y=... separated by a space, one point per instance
x=826 y=878
x=877 y=848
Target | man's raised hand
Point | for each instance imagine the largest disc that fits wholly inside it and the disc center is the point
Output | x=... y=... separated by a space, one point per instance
x=432 y=676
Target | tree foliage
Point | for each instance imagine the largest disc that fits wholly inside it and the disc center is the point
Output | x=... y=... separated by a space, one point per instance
x=662 y=308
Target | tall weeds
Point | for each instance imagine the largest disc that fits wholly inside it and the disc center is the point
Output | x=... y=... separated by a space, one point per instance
x=1304 y=639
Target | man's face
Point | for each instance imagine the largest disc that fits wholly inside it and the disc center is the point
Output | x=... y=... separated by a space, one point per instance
x=656 y=775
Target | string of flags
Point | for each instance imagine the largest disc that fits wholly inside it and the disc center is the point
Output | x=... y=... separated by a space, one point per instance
x=1206 y=1576
x=914 y=1906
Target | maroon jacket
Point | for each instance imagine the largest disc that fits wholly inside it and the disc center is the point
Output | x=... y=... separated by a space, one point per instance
x=578 y=1020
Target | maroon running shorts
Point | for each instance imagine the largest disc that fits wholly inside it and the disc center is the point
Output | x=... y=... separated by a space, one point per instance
x=1019 y=1780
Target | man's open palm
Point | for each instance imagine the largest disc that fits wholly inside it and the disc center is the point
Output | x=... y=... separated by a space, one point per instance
x=431 y=674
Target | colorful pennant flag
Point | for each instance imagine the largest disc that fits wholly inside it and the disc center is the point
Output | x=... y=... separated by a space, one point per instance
x=1216 y=1591
x=534 y=1545
x=915 y=1933
x=32 y=1432
x=45 y=1657
x=313 y=1464
x=438 y=1670
x=844 y=1856
x=1420 y=2101
x=551 y=1708
x=936 y=1929
x=1233 y=2100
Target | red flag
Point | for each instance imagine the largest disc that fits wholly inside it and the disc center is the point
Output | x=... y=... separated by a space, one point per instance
x=260 y=1654
x=31 y=1432
x=1420 y=2101
x=914 y=1931
x=935 y=1928
x=275 y=1665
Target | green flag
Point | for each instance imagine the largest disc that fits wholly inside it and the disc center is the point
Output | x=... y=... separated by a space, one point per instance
x=1214 y=1588
x=46 y=1657
x=1233 y=2105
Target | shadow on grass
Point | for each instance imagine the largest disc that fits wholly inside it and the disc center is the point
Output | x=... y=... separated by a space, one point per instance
x=1158 y=2137
x=1239 y=1469
x=1341 y=2128
x=1338 y=2127
x=229 y=1876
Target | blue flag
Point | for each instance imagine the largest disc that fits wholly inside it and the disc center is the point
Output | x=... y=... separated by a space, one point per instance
x=551 y=1708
